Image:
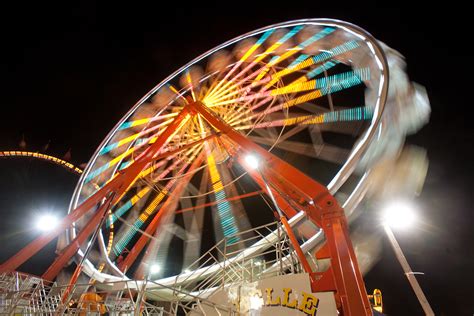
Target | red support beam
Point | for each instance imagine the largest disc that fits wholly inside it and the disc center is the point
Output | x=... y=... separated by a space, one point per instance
x=320 y=206
x=75 y=244
x=118 y=185
x=296 y=245
x=282 y=203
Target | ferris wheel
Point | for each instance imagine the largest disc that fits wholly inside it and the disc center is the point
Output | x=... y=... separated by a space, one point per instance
x=310 y=92
x=258 y=128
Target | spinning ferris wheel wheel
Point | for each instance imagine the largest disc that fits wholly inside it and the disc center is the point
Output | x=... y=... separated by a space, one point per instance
x=269 y=126
x=309 y=92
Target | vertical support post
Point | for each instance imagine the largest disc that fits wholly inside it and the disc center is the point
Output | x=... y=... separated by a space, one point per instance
x=344 y=268
x=296 y=245
x=408 y=272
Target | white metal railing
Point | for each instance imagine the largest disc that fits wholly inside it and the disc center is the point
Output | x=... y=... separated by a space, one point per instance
x=30 y=295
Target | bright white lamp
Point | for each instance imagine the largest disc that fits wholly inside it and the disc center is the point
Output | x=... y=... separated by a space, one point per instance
x=252 y=161
x=154 y=269
x=46 y=222
x=399 y=215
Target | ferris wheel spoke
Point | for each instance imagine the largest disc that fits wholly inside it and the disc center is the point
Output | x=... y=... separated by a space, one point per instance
x=259 y=57
x=348 y=128
x=278 y=43
x=170 y=154
x=157 y=247
x=178 y=93
x=159 y=168
x=236 y=206
x=192 y=246
x=270 y=133
x=293 y=131
x=234 y=115
x=236 y=119
x=188 y=156
x=244 y=57
x=236 y=88
x=99 y=170
x=240 y=88
x=225 y=96
x=317 y=109
x=325 y=152
x=96 y=172
x=193 y=224
x=320 y=86
x=325 y=55
x=138 y=122
x=133 y=137
x=350 y=78
x=119 y=212
x=345 y=115
x=326 y=31
x=312 y=96
x=318 y=70
x=168 y=207
x=147 y=141
x=201 y=206
x=150 y=209
x=190 y=84
x=224 y=211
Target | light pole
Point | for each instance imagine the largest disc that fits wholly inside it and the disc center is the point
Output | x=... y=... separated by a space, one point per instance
x=401 y=215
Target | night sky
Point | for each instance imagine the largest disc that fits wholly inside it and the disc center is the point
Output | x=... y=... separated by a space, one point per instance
x=69 y=71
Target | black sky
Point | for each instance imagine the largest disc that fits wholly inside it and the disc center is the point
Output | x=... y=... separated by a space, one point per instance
x=69 y=71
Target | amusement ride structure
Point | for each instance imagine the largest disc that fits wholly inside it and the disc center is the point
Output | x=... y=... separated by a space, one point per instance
x=228 y=188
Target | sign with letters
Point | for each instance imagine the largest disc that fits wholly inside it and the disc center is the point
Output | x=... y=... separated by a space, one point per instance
x=308 y=303
x=283 y=295
x=291 y=295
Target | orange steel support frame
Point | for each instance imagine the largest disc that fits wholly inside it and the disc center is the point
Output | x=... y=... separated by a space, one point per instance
x=294 y=189
x=344 y=277
x=74 y=245
x=118 y=186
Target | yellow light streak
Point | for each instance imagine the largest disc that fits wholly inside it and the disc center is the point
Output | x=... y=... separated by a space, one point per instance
x=15 y=153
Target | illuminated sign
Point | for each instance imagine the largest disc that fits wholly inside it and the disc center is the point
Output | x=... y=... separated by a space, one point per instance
x=306 y=302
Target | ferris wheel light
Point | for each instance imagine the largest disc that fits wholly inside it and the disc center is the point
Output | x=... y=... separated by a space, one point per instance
x=252 y=161
x=154 y=269
x=399 y=215
x=46 y=222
